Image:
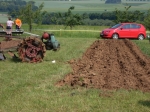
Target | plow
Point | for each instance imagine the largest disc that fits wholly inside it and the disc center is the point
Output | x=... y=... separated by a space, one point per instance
x=30 y=49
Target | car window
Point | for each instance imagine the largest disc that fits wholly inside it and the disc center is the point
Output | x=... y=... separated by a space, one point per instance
x=116 y=26
x=126 y=26
x=135 y=26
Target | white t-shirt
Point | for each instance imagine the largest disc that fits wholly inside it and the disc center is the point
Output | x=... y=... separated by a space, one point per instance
x=10 y=23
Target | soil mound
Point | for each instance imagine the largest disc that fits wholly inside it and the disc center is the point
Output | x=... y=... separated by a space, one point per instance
x=111 y=64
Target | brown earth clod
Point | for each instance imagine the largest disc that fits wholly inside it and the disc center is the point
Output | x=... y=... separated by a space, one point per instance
x=110 y=65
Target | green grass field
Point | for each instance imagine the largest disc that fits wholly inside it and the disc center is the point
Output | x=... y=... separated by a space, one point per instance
x=3 y=18
x=30 y=87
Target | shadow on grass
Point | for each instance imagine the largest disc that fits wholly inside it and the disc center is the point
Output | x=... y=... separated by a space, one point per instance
x=16 y=60
x=145 y=103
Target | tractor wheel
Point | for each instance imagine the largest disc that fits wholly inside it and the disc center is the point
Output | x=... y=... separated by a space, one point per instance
x=31 y=49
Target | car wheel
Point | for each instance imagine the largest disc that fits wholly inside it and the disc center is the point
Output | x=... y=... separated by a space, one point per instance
x=141 y=37
x=115 y=36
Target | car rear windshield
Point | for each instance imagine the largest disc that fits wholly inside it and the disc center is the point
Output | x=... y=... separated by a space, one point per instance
x=116 y=26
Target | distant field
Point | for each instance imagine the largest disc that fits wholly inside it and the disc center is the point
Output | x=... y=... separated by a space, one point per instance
x=87 y=6
x=3 y=18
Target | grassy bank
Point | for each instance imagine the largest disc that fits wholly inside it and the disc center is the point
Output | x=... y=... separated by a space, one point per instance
x=28 y=87
x=60 y=31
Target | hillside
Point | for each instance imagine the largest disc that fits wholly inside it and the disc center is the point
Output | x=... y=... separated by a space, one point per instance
x=89 y=6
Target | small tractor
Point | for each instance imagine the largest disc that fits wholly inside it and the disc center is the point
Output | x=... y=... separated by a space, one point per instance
x=30 y=49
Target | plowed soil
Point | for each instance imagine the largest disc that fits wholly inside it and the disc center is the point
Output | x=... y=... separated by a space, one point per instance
x=4 y=45
x=110 y=65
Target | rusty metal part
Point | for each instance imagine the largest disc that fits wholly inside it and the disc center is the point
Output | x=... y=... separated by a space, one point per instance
x=31 y=49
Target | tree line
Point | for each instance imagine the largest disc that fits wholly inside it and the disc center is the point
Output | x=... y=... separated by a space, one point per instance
x=113 y=1
x=12 y=5
x=99 y=19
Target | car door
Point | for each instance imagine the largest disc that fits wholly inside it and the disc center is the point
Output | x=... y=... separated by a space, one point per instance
x=134 y=30
x=124 y=31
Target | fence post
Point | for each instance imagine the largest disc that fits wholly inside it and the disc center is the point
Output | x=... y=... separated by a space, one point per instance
x=60 y=32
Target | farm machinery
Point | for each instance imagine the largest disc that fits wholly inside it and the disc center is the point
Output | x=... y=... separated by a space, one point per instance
x=30 y=49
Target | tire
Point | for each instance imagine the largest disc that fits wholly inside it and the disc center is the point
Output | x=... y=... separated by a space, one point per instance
x=115 y=36
x=140 y=37
x=31 y=49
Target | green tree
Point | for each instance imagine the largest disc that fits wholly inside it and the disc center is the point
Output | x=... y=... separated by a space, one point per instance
x=127 y=16
x=122 y=16
x=30 y=16
x=71 y=19
x=55 y=18
x=147 y=20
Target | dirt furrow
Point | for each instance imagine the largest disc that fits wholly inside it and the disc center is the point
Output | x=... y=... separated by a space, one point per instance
x=111 y=64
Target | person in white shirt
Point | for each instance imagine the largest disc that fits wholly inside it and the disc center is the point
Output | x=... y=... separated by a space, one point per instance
x=9 y=25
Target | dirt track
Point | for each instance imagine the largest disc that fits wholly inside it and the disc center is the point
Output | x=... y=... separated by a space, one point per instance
x=9 y=44
x=111 y=64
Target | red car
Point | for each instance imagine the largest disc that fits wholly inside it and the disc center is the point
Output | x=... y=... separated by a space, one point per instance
x=125 y=30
